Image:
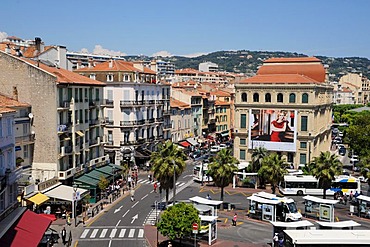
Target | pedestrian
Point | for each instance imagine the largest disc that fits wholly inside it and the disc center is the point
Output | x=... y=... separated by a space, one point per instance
x=351 y=196
x=132 y=192
x=63 y=233
x=275 y=240
x=150 y=177
x=68 y=219
x=345 y=199
x=155 y=187
x=209 y=197
x=234 y=219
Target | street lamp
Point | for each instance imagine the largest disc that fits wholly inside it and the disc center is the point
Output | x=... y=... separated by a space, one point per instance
x=174 y=181
x=75 y=202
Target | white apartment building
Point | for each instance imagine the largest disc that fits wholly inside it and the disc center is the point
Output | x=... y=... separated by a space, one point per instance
x=181 y=118
x=208 y=67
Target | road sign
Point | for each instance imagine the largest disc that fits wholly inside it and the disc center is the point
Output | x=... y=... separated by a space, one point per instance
x=195 y=228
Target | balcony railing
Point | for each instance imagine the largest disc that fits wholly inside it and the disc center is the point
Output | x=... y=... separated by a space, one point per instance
x=64 y=104
x=159 y=119
x=166 y=112
x=64 y=127
x=131 y=102
x=132 y=123
x=167 y=126
x=108 y=102
x=135 y=142
x=23 y=139
x=94 y=121
x=151 y=120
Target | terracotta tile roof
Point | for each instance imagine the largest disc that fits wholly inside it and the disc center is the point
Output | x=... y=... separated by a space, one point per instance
x=274 y=79
x=6 y=101
x=191 y=93
x=187 y=71
x=14 y=37
x=219 y=102
x=307 y=66
x=116 y=65
x=178 y=104
x=346 y=90
x=65 y=76
x=30 y=52
x=220 y=93
x=6 y=110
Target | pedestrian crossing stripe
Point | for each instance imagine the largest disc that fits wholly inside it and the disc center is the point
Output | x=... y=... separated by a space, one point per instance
x=113 y=233
x=146 y=181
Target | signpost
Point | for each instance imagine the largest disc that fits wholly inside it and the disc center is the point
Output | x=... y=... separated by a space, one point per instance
x=195 y=231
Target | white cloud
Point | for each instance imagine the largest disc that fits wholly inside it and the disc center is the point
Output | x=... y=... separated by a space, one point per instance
x=162 y=54
x=3 y=35
x=99 y=50
x=195 y=54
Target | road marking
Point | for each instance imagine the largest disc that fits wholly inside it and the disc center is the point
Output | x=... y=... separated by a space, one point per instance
x=84 y=234
x=134 y=205
x=93 y=234
x=118 y=223
x=102 y=234
x=141 y=233
x=113 y=233
x=125 y=213
x=122 y=233
x=131 y=233
x=144 y=197
x=134 y=218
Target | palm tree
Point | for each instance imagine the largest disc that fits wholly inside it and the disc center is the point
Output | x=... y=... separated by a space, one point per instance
x=222 y=169
x=364 y=165
x=325 y=168
x=166 y=162
x=257 y=156
x=273 y=170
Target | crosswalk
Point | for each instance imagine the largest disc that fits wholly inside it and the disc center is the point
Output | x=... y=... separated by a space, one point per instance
x=152 y=217
x=112 y=233
x=147 y=181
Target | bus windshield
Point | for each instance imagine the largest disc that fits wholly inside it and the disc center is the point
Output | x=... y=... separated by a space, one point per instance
x=292 y=207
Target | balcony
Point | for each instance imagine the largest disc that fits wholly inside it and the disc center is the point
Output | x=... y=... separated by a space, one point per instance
x=64 y=105
x=66 y=174
x=65 y=150
x=167 y=126
x=130 y=103
x=150 y=120
x=94 y=122
x=166 y=112
x=160 y=119
x=94 y=103
x=64 y=128
x=160 y=137
x=25 y=139
x=132 y=123
x=130 y=143
x=149 y=102
x=108 y=103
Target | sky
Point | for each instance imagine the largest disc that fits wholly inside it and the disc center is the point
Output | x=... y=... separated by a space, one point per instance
x=333 y=28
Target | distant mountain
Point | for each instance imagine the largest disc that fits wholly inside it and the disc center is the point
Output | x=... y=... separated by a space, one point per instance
x=247 y=62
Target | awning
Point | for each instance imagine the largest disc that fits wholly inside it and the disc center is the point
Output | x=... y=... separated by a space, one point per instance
x=64 y=192
x=95 y=174
x=87 y=182
x=51 y=217
x=140 y=155
x=38 y=199
x=185 y=144
x=28 y=231
x=192 y=141
x=80 y=133
x=116 y=167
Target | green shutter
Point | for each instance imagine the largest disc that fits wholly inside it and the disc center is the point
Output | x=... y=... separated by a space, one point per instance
x=243 y=121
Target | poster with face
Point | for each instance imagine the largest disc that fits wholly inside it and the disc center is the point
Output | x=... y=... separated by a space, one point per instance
x=273 y=129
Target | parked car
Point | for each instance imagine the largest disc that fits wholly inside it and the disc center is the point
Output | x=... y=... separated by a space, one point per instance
x=363 y=179
x=215 y=149
x=342 y=151
x=354 y=159
x=337 y=140
x=222 y=146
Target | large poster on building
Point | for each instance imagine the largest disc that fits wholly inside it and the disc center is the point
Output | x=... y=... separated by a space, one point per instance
x=273 y=129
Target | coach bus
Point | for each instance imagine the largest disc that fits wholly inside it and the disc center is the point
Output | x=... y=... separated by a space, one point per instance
x=309 y=185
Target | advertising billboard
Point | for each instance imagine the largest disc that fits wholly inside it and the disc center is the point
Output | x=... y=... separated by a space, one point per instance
x=273 y=129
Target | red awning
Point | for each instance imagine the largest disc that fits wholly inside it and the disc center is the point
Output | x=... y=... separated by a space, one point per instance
x=28 y=231
x=185 y=144
x=49 y=216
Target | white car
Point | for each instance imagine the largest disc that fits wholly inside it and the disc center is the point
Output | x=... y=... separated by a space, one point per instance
x=222 y=146
x=215 y=149
x=354 y=159
x=362 y=179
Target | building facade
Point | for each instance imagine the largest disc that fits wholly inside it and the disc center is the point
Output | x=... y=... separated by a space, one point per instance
x=359 y=85
x=137 y=109
x=181 y=118
x=67 y=116
x=286 y=108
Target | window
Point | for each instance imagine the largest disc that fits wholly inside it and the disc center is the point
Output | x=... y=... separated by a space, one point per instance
x=25 y=151
x=109 y=78
x=304 y=98
x=292 y=98
x=302 y=159
x=280 y=98
x=244 y=97
x=256 y=97
x=110 y=94
x=304 y=123
x=242 y=141
x=268 y=97
x=25 y=129
x=242 y=154
x=93 y=76
x=9 y=122
x=243 y=121
x=97 y=96
x=126 y=77
x=303 y=145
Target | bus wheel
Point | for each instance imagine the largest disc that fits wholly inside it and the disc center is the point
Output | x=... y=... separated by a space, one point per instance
x=299 y=193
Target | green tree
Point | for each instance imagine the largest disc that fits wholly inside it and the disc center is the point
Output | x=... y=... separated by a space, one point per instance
x=258 y=155
x=364 y=165
x=273 y=170
x=103 y=184
x=222 y=170
x=325 y=167
x=176 y=221
x=166 y=162
x=125 y=168
x=357 y=134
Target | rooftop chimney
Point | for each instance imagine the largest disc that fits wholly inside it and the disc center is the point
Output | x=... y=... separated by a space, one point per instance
x=111 y=63
x=38 y=44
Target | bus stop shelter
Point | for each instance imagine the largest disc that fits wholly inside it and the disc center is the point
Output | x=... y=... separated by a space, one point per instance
x=363 y=206
x=262 y=209
x=344 y=225
x=209 y=225
x=320 y=208
x=200 y=200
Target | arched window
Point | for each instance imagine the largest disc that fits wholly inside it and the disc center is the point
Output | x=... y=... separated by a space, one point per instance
x=268 y=97
x=217 y=120
x=292 y=98
x=244 y=97
x=280 y=98
x=256 y=97
x=225 y=118
x=304 y=98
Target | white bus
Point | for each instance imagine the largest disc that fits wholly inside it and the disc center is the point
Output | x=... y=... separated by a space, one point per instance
x=309 y=185
x=200 y=173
